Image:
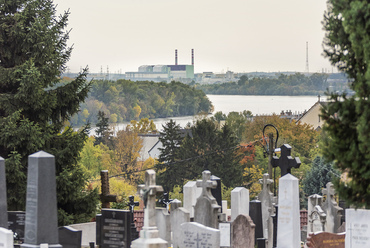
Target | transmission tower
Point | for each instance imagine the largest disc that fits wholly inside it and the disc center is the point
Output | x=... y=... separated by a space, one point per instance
x=307 y=68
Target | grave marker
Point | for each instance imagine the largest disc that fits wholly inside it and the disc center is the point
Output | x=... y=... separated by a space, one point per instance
x=115 y=229
x=288 y=233
x=255 y=213
x=105 y=197
x=6 y=238
x=195 y=235
x=41 y=225
x=149 y=235
x=243 y=230
x=325 y=240
x=316 y=216
x=163 y=224
x=333 y=211
x=225 y=234
x=357 y=228
x=239 y=202
x=206 y=209
x=70 y=237
x=16 y=221
x=286 y=162
x=191 y=193
x=265 y=196
x=179 y=215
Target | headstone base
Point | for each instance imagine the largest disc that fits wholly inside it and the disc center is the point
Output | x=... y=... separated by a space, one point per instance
x=149 y=238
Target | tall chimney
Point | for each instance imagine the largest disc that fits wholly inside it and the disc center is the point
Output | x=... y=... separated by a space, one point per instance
x=175 y=56
x=192 y=57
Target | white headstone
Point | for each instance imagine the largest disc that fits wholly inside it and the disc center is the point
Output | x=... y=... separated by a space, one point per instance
x=178 y=216
x=194 y=235
x=288 y=234
x=357 y=228
x=191 y=193
x=225 y=234
x=316 y=215
x=239 y=202
x=6 y=238
x=332 y=210
x=163 y=223
x=265 y=196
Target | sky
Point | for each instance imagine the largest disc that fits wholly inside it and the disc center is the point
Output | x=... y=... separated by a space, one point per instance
x=235 y=35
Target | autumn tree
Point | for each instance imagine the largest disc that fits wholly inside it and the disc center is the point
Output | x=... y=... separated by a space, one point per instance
x=347 y=130
x=35 y=105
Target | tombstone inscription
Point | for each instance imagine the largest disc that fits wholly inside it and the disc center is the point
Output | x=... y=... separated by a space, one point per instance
x=325 y=240
x=115 y=228
x=357 y=228
x=195 y=235
x=16 y=221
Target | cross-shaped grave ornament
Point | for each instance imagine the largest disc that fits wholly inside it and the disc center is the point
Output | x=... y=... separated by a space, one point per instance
x=165 y=201
x=329 y=191
x=148 y=192
x=207 y=185
x=265 y=181
x=132 y=203
x=286 y=162
x=105 y=197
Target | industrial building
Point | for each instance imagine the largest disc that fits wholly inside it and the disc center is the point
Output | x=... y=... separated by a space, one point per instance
x=159 y=73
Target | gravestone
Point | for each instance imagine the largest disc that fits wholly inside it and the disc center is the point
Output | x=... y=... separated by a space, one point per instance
x=206 y=209
x=16 y=221
x=6 y=238
x=132 y=204
x=98 y=228
x=195 y=235
x=115 y=228
x=191 y=193
x=149 y=235
x=163 y=224
x=286 y=162
x=105 y=197
x=357 y=228
x=239 y=202
x=69 y=237
x=41 y=225
x=265 y=196
x=217 y=192
x=243 y=230
x=275 y=228
x=225 y=234
x=332 y=210
x=3 y=199
x=255 y=213
x=288 y=233
x=178 y=216
x=316 y=215
x=325 y=240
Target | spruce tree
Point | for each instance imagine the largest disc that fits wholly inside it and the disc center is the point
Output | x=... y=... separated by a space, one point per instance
x=35 y=105
x=347 y=129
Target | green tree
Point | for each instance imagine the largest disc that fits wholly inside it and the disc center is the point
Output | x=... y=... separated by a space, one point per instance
x=103 y=133
x=170 y=172
x=320 y=174
x=35 y=105
x=347 y=129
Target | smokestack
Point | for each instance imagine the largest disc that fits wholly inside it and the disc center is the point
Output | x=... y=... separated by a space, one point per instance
x=175 y=56
x=192 y=57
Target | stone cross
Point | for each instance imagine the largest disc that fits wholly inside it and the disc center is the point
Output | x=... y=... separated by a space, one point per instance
x=105 y=197
x=206 y=184
x=3 y=199
x=332 y=210
x=148 y=192
x=265 y=181
x=265 y=196
x=132 y=203
x=286 y=162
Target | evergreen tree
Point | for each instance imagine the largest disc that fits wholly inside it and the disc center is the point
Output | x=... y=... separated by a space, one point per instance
x=347 y=140
x=103 y=133
x=320 y=174
x=35 y=105
x=171 y=172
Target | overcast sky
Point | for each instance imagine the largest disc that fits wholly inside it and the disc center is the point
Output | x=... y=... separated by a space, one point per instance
x=236 y=35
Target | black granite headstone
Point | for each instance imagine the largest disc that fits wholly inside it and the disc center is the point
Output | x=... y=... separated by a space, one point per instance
x=115 y=228
x=255 y=212
x=69 y=237
x=16 y=224
x=98 y=228
x=274 y=221
x=217 y=192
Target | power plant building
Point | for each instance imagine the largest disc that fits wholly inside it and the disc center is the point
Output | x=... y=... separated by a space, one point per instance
x=163 y=72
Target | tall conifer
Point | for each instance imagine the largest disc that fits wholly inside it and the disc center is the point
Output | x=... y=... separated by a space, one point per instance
x=35 y=104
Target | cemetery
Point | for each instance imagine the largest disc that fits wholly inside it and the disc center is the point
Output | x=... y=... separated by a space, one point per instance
x=202 y=220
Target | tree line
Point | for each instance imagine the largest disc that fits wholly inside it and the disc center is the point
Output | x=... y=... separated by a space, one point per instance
x=284 y=85
x=124 y=100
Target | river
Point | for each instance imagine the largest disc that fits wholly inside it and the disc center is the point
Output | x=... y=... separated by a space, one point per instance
x=258 y=105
